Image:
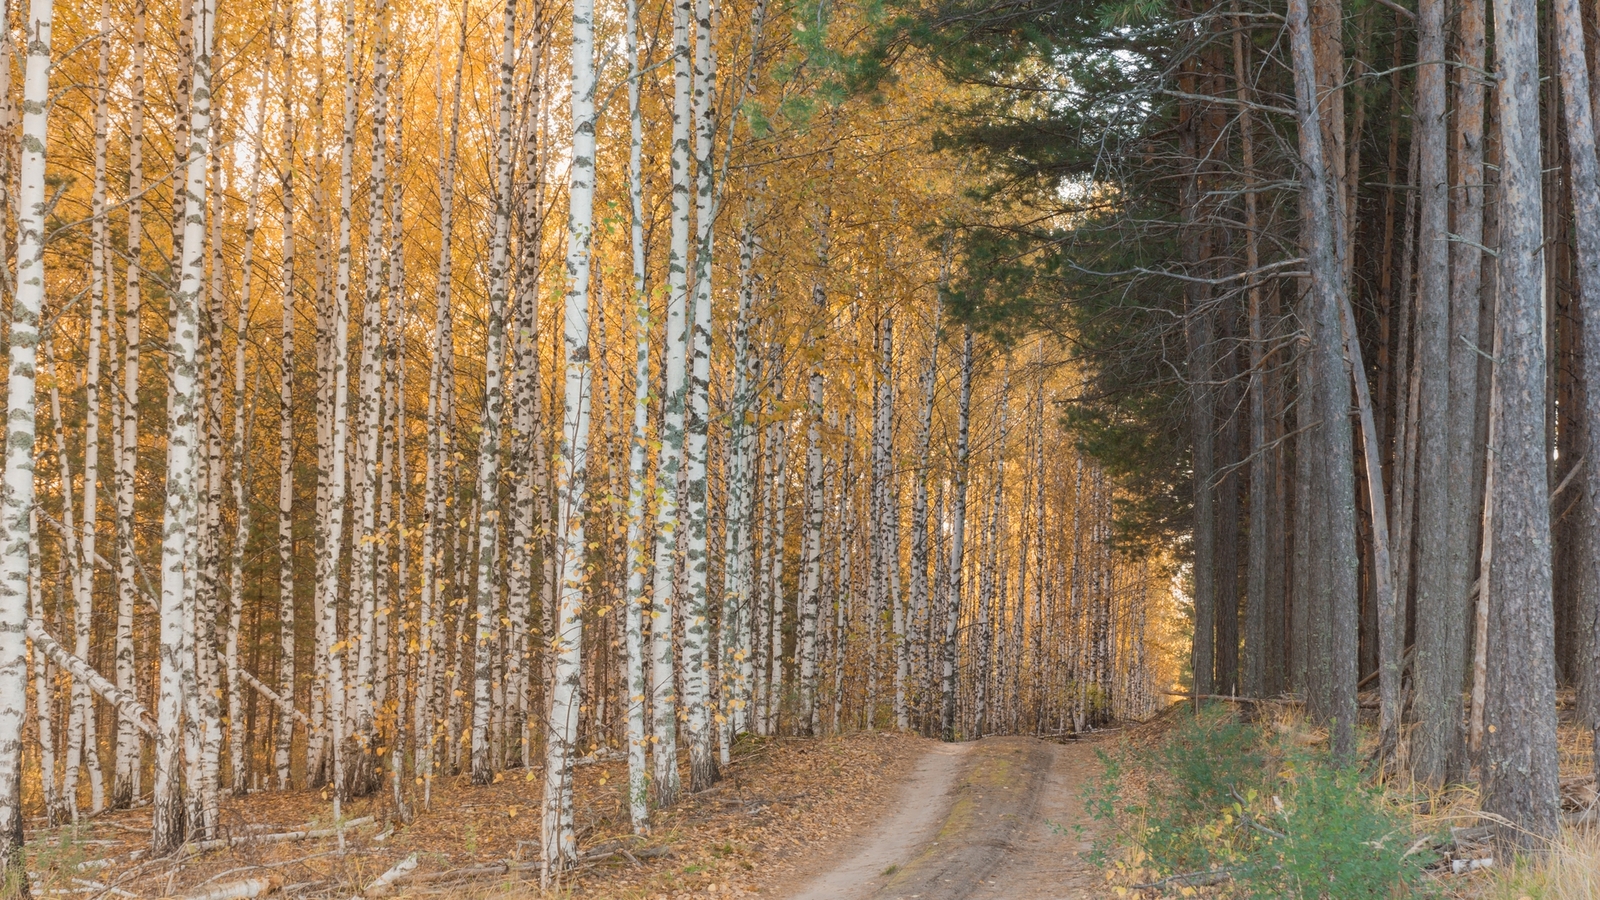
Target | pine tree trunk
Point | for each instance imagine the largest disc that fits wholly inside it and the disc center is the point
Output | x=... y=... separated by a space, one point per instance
x=1520 y=756
x=1334 y=589
x=1436 y=752
x=1585 y=187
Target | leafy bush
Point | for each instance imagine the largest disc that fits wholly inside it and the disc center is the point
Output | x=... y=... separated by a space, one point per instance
x=1220 y=802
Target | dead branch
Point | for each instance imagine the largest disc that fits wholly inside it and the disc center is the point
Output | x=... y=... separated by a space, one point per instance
x=280 y=838
x=244 y=889
x=126 y=704
x=383 y=883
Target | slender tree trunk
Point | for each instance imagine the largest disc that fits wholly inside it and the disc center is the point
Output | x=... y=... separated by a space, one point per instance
x=1441 y=618
x=331 y=536
x=560 y=844
x=488 y=491
x=1520 y=756
x=241 y=505
x=1585 y=186
x=811 y=583
x=128 y=770
x=670 y=455
x=286 y=443
x=360 y=766
x=176 y=733
x=636 y=597
x=1335 y=593
x=958 y=522
x=697 y=640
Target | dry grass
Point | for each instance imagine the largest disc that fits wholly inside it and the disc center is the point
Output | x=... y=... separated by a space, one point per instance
x=779 y=797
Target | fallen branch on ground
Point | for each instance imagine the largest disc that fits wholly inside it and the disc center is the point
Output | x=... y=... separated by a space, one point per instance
x=383 y=883
x=1229 y=698
x=279 y=838
x=244 y=889
x=1188 y=879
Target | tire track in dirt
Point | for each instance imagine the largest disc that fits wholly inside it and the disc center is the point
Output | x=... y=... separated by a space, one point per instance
x=997 y=818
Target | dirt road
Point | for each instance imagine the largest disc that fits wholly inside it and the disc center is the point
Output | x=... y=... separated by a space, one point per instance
x=997 y=818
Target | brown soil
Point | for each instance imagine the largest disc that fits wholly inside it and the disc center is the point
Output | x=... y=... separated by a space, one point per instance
x=997 y=818
x=780 y=803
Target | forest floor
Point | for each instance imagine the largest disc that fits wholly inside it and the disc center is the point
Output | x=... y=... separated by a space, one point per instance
x=864 y=815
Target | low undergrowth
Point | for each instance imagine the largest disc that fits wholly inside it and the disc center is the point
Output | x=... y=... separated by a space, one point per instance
x=1242 y=810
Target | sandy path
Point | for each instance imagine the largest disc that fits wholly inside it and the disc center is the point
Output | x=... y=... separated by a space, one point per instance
x=921 y=805
x=998 y=818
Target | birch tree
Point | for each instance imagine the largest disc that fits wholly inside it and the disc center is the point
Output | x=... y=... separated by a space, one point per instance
x=958 y=522
x=17 y=487
x=127 y=774
x=560 y=845
x=636 y=599
x=670 y=455
x=176 y=733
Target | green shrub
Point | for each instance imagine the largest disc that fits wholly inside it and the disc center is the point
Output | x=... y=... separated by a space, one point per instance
x=1249 y=810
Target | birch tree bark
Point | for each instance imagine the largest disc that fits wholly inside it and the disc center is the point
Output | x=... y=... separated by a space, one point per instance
x=431 y=597
x=331 y=536
x=127 y=773
x=241 y=505
x=811 y=559
x=286 y=606
x=488 y=524
x=17 y=487
x=176 y=733
x=670 y=456
x=361 y=768
x=560 y=844
x=958 y=524
x=636 y=598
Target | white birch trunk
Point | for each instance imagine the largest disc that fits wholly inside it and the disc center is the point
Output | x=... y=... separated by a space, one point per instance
x=175 y=734
x=331 y=537
x=488 y=524
x=128 y=770
x=774 y=584
x=811 y=584
x=44 y=711
x=560 y=843
x=736 y=593
x=286 y=612
x=670 y=456
x=636 y=599
x=919 y=601
x=241 y=505
x=430 y=612
x=361 y=767
x=958 y=523
x=697 y=640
